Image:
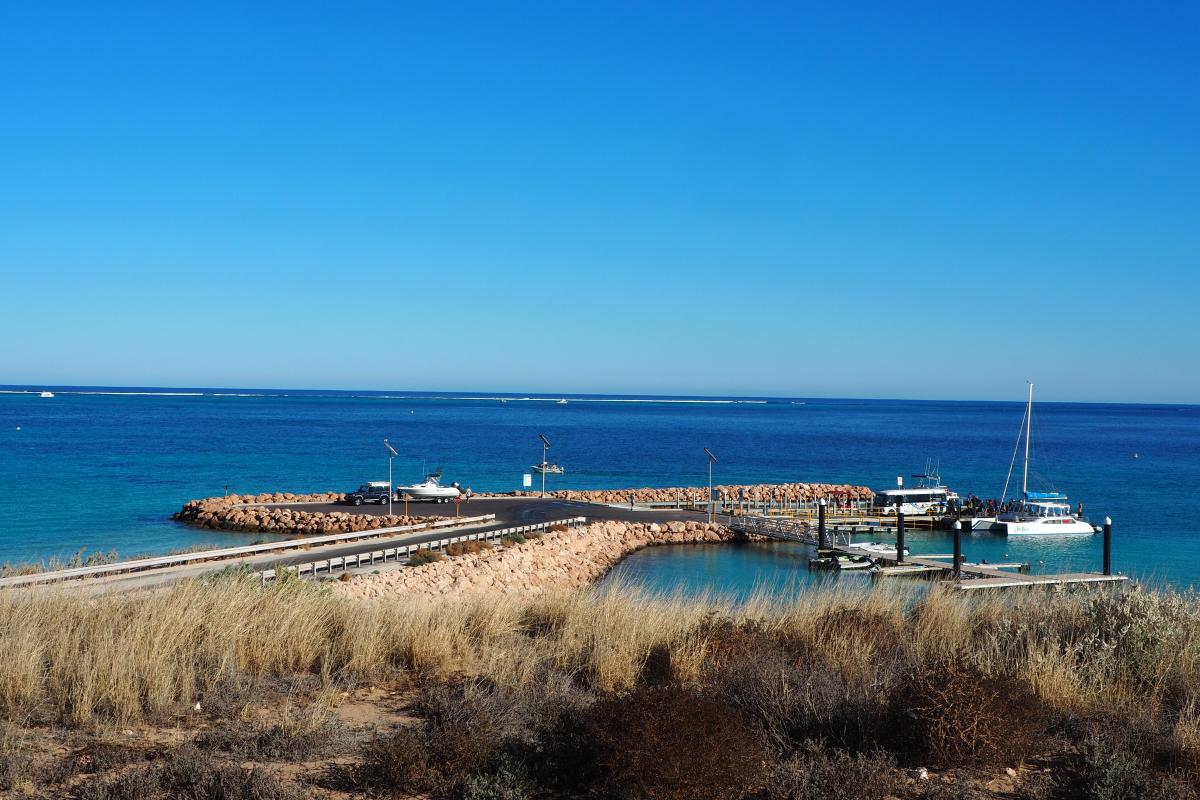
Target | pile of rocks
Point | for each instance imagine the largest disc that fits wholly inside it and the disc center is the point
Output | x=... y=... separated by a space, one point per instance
x=556 y=560
x=760 y=492
x=235 y=513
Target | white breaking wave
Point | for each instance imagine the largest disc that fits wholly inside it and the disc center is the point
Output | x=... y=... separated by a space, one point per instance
x=480 y=398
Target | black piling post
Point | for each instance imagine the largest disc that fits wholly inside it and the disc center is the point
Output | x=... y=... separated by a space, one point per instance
x=822 y=539
x=899 y=534
x=1107 y=546
x=958 y=526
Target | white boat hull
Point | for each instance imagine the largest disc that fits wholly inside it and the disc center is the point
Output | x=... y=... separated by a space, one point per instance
x=1045 y=527
x=429 y=490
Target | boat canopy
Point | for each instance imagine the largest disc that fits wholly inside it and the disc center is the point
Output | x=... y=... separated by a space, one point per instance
x=1045 y=496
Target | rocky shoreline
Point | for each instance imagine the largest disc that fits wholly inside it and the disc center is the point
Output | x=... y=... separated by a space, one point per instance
x=559 y=559
x=242 y=513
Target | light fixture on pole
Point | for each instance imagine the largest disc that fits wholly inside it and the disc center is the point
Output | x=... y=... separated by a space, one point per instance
x=391 y=454
x=711 y=460
x=545 y=447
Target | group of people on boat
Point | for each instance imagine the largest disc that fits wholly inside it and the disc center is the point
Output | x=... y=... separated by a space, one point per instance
x=990 y=507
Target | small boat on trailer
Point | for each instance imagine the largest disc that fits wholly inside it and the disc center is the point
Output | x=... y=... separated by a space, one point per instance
x=430 y=489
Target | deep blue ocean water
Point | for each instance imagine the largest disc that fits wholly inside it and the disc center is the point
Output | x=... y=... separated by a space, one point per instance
x=104 y=469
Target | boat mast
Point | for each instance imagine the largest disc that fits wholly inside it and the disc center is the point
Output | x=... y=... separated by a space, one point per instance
x=1028 y=431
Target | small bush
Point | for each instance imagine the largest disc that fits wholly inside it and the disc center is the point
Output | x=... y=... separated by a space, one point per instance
x=423 y=557
x=794 y=705
x=503 y=784
x=14 y=762
x=295 y=738
x=959 y=716
x=104 y=757
x=456 y=741
x=398 y=761
x=814 y=773
x=1115 y=773
x=467 y=548
x=672 y=743
x=1131 y=634
x=189 y=774
x=513 y=539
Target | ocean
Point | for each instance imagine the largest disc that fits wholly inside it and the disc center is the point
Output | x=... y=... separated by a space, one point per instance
x=103 y=469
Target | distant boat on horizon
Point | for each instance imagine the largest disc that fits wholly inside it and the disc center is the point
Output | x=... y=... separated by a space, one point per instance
x=46 y=394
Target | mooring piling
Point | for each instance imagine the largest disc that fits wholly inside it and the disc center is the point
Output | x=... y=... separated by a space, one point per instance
x=958 y=526
x=899 y=534
x=822 y=539
x=1108 y=546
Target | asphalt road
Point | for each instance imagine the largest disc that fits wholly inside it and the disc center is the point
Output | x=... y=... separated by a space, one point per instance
x=509 y=511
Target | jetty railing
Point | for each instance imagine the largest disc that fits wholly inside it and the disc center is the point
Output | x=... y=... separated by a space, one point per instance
x=180 y=559
x=783 y=529
x=402 y=553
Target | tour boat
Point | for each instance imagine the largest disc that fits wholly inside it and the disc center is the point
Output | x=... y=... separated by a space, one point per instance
x=929 y=496
x=430 y=489
x=46 y=394
x=548 y=469
x=1038 y=513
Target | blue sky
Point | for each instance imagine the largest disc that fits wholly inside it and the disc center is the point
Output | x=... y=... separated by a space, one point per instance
x=878 y=200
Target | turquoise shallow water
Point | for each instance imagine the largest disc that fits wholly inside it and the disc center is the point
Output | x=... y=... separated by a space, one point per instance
x=105 y=471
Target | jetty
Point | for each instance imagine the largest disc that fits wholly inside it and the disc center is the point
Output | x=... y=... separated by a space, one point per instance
x=836 y=549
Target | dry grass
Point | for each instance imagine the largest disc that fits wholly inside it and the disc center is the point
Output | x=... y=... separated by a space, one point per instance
x=853 y=670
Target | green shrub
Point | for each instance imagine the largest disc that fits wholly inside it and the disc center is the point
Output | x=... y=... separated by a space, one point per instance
x=513 y=539
x=502 y=784
x=1131 y=634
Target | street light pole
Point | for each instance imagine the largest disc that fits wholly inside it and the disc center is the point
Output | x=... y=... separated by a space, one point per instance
x=391 y=454
x=545 y=447
x=711 y=460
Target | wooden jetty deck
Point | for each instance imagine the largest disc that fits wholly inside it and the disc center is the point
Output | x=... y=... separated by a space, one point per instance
x=972 y=576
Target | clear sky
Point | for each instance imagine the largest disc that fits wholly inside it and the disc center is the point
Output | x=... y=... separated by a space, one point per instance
x=880 y=200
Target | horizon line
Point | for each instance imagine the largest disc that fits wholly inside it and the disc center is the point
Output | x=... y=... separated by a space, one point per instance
x=27 y=388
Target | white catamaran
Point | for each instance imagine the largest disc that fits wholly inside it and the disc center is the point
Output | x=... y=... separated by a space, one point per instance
x=1038 y=513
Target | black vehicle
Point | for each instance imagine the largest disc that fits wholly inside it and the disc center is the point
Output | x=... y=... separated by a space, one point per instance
x=374 y=492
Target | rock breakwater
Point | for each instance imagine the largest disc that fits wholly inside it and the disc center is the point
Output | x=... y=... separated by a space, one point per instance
x=758 y=492
x=558 y=559
x=236 y=513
